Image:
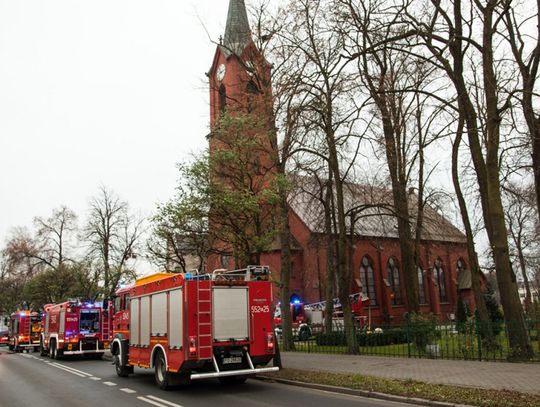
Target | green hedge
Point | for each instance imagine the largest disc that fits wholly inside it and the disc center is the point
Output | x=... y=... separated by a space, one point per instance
x=387 y=337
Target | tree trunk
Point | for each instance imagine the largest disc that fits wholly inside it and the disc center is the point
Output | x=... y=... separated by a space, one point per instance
x=285 y=278
x=523 y=266
x=401 y=207
x=344 y=278
x=330 y=259
x=518 y=335
x=481 y=309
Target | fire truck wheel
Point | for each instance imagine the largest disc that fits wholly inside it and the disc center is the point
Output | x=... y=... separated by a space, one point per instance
x=228 y=380
x=161 y=374
x=54 y=352
x=42 y=350
x=122 y=371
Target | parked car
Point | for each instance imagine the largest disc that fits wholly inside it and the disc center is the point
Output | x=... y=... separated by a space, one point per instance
x=4 y=338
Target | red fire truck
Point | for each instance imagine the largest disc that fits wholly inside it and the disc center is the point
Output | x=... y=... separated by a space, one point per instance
x=308 y=317
x=24 y=330
x=185 y=327
x=76 y=328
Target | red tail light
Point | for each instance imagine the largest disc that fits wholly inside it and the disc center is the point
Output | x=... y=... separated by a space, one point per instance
x=270 y=343
x=192 y=346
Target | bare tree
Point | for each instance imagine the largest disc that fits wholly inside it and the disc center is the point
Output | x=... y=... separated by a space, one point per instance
x=520 y=215
x=112 y=237
x=54 y=236
x=330 y=115
x=397 y=82
x=523 y=36
x=447 y=31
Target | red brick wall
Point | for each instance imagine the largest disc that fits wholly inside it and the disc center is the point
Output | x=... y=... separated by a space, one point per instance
x=309 y=267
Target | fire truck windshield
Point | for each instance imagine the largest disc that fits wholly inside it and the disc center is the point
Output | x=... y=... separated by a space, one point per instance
x=36 y=319
x=89 y=321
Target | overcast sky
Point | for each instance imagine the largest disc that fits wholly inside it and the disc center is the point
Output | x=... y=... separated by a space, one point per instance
x=101 y=92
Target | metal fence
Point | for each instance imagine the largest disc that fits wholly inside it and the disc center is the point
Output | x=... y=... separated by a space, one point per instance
x=425 y=339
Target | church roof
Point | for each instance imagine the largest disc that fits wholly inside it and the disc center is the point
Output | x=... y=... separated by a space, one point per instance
x=237 y=31
x=374 y=212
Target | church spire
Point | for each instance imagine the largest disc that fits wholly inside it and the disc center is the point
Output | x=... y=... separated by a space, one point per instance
x=237 y=32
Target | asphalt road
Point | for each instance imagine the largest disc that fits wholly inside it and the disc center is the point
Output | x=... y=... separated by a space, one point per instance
x=27 y=379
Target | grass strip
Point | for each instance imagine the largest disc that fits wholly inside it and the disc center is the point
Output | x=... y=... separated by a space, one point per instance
x=412 y=388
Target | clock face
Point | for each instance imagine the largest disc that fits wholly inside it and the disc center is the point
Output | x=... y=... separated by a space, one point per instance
x=220 y=74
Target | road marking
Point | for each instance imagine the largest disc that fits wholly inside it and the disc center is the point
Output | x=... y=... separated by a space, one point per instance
x=129 y=391
x=66 y=370
x=72 y=369
x=109 y=383
x=168 y=403
x=151 y=402
x=94 y=378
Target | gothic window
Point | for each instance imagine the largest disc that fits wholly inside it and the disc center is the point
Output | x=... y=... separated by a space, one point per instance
x=252 y=90
x=440 y=279
x=394 y=280
x=367 y=278
x=222 y=98
x=421 y=287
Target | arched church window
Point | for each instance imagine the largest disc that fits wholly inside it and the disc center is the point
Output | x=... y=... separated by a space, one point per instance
x=222 y=98
x=252 y=90
x=421 y=286
x=394 y=280
x=441 y=280
x=367 y=279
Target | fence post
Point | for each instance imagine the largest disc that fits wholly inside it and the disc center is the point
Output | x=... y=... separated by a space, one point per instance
x=478 y=335
x=407 y=329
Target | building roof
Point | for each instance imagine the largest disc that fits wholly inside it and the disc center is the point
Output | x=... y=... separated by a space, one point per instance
x=373 y=212
x=237 y=32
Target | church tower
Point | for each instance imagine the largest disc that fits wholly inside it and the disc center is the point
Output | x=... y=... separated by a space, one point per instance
x=239 y=76
x=241 y=143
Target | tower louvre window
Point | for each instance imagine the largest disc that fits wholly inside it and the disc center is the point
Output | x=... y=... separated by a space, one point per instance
x=252 y=90
x=222 y=98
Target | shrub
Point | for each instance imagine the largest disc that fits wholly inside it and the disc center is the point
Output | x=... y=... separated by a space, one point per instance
x=495 y=314
x=384 y=338
x=422 y=330
x=331 y=339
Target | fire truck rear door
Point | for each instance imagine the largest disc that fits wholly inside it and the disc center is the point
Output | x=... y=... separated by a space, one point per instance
x=231 y=313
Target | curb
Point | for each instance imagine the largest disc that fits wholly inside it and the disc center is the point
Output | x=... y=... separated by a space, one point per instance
x=363 y=393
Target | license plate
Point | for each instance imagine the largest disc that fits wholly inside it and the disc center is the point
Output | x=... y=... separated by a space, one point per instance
x=232 y=359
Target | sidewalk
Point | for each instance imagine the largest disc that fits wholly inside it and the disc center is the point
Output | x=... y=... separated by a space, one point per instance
x=522 y=377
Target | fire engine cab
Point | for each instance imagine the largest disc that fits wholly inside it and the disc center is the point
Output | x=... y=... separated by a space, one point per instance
x=216 y=325
x=24 y=330
x=76 y=328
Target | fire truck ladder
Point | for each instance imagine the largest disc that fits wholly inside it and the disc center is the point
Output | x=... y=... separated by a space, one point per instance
x=337 y=304
x=204 y=315
x=105 y=326
x=27 y=327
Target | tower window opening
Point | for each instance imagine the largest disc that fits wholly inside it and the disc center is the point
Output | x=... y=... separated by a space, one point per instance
x=222 y=98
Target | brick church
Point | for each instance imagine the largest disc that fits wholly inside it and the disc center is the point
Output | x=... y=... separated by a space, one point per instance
x=374 y=250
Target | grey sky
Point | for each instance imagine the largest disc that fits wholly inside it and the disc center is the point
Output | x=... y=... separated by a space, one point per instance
x=99 y=92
